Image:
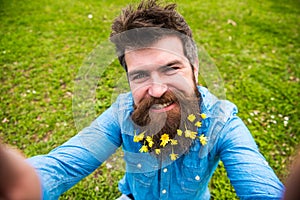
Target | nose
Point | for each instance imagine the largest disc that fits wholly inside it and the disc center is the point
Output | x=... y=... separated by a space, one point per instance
x=157 y=89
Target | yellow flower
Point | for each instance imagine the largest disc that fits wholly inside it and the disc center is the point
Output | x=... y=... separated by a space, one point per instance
x=144 y=149
x=179 y=132
x=173 y=156
x=150 y=141
x=203 y=139
x=203 y=116
x=190 y=134
x=139 y=137
x=157 y=151
x=193 y=135
x=164 y=139
x=191 y=117
x=198 y=124
x=173 y=142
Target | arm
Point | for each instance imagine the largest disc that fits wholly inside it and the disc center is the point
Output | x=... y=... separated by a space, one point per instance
x=48 y=176
x=64 y=166
x=247 y=169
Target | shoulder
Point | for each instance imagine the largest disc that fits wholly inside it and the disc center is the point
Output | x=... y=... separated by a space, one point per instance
x=216 y=108
x=124 y=101
x=119 y=110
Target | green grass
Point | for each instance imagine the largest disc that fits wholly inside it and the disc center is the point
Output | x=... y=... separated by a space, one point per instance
x=254 y=44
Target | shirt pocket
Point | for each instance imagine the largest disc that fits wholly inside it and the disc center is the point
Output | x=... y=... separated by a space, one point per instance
x=193 y=175
x=143 y=185
x=143 y=180
x=142 y=170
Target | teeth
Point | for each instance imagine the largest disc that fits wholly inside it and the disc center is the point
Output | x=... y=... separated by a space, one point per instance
x=160 y=106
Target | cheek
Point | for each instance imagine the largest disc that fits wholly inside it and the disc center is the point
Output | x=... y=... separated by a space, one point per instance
x=138 y=95
x=184 y=84
x=186 y=89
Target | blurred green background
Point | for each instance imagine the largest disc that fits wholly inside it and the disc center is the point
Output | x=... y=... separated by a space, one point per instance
x=254 y=44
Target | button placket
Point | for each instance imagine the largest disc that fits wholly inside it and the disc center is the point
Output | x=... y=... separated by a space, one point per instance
x=164 y=183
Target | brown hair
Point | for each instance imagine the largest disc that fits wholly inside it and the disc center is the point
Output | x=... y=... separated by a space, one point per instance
x=146 y=24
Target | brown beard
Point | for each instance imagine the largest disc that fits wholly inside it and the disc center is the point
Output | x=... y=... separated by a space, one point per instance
x=156 y=124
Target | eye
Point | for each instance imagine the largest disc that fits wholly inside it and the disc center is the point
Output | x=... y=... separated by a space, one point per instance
x=170 y=70
x=137 y=77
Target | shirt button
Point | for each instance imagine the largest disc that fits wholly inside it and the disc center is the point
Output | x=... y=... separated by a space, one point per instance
x=165 y=170
x=164 y=191
x=139 y=165
x=197 y=178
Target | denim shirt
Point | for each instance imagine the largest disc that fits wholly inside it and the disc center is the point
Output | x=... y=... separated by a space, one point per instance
x=187 y=177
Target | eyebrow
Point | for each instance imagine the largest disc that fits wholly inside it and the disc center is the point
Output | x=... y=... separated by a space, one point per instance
x=175 y=62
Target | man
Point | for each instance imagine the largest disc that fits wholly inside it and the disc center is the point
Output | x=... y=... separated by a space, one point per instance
x=173 y=132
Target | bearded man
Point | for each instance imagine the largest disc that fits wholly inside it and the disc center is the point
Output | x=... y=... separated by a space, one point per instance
x=172 y=131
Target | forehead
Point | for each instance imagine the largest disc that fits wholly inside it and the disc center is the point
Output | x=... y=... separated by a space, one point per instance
x=164 y=50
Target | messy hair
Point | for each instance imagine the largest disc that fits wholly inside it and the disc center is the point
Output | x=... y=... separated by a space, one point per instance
x=147 y=23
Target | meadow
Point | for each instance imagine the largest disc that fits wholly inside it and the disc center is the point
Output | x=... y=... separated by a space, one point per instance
x=255 y=46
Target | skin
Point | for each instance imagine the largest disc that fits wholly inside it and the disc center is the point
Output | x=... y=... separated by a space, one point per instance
x=22 y=181
x=292 y=184
x=158 y=68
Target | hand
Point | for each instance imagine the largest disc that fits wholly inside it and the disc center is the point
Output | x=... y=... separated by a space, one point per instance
x=18 y=180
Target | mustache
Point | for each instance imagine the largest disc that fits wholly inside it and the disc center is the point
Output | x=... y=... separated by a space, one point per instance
x=148 y=102
x=141 y=114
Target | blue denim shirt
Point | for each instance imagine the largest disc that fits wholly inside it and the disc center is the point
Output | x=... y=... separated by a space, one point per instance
x=188 y=177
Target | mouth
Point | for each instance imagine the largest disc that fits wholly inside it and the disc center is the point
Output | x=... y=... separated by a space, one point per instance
x=163 y=107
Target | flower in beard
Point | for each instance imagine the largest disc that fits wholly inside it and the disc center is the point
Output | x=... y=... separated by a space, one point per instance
x=157 y=151
x=198 y=124
x=155 y=124
x=191 y=117
x=150 y=141
x=138 y=138
x=203 y=139
x=179 y=132
x=164 y=139
x=163 y=129
x=203 y=115
x=173 y=142
x=173 y=156
x=190 y=134
x=144 y=149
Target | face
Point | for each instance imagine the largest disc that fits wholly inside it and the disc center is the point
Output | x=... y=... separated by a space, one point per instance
x=159 y=68
x=164 y=91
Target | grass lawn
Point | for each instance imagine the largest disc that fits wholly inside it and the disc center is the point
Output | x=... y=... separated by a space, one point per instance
x=43 y=46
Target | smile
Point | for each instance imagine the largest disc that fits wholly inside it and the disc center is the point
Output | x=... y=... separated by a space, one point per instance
x=162 y=107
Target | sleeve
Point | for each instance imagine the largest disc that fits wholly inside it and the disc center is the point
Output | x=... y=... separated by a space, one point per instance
x=247 y=169
x=67 y=164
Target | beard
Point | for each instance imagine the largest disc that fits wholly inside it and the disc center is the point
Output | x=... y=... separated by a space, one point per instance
x=156 y=124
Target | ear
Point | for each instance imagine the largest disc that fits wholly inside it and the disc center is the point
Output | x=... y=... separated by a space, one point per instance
x=196 y=69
